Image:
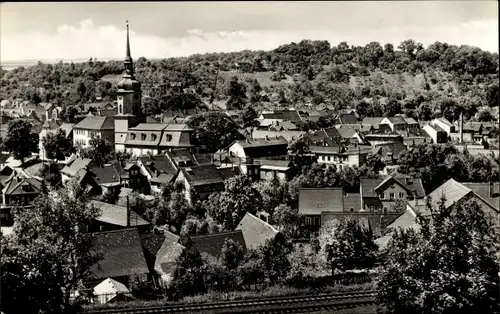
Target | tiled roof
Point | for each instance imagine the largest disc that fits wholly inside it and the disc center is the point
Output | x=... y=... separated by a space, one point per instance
x=410 y=120
x=98 y=105
x=151 y=244
x=201 y=175
x=106 y=174
x=18 y=186
x=352 y=200
x=67 y=128
x=117 y=215
x=288 y=135
x=348 y=130
x=324 y=149
x=159 y=163
x=96 y=123
x=181 y=157
x=345 y=118
x=445 y=121
x=263 y=142
x=168 y=253
x=150 y=127
x=375 y=221
x=255 y=231
x=451 y=190
x=373 y=121
x=122 y=254
x=75 y=166
x=396 y=120
x=229 y=172
x=490 y=193
x=212 y=244
x=368 y=186
x=390 y=148
x=203 y=159
x=405 y=221
x=313 y=201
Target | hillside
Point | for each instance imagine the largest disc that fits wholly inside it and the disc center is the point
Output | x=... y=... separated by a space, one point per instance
x=422 y=82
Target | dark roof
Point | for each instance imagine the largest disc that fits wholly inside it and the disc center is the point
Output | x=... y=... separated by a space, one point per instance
x=201 y=175
x=151 y=244
x=4 y=157
x=368 y=186
x=96 y=123
x=122 y=254
x=158 y=163
x=182 y=157
x=347 y=118
x=490 y=192
x=229 y=172
x=117 y=215
x=263 y=142
x=203 y=159
x=390 y=148
x=106 y=174
x=352 y=200
x=212 y=244
x=255 y=231
x=313 y=201
x=18 y=185
x=348 y=130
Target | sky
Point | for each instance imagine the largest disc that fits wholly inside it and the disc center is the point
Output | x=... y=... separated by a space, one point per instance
x=53 y=31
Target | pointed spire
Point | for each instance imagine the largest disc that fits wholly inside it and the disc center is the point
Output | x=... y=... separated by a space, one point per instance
x=128 y=57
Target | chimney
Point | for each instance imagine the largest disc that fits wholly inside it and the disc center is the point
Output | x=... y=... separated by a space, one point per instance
x=128 y=213
x=461 y=126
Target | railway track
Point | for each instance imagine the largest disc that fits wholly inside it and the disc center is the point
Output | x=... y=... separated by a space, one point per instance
x=294 y=304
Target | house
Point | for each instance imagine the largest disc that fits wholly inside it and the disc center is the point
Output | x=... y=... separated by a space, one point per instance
x=341 y=156
x=71 y=170
x=313 y=201
x=346 y=118
x=101 y=127
x=382 y=195
x=376 y=223
x=288 y=135
x=455 y=193
x=373 y=121
x=151 y=244
x=101 y=108
x=395 y=123
x=212 y=244
x=158 y=170
x=436 y=133
x=488 y=191
x=271 y=169
x=389 y=152
x=376 y=139
x=110 y=177
x=200 y=180
x=121 y=257
x=353 y=131
x=156 y=138
x=110 y=290
x=181 y=158
x=444 y=124
x=281 y=115
x=207 y=245
x=324 y=137
x=20 y=190
x=255 y=231
x=117 y=217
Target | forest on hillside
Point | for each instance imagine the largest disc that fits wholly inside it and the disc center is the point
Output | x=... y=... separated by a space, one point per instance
x=377 y=80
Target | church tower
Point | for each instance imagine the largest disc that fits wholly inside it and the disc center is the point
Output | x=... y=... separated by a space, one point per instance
x=129 y=96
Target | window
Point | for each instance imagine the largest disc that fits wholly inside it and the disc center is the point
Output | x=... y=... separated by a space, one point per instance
x=308 y=221
x=143 y=137
x=328 y=158
x=168 y=137
x=401 y=195
x=385 y=209
x=153 y=137
x=391 y=196
x=382 y=196
x=351 y=209
x=133 y=135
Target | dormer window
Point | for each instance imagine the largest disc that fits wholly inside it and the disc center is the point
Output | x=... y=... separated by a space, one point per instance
x=154 y=137
x=168 y=137
x=133 y=135
x=143 y=137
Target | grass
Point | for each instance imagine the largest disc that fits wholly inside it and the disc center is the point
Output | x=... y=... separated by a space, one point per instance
x=276 y=291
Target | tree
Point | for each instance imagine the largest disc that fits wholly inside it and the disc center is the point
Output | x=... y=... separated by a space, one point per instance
x=492 y=95
x=213 y=130
x=346 y=245
x=287 y=218
x=249 y=117
x=239 y=198
x=50 y=173
x=448 y=265
x=58 y=145
x=48 y=252
x=21 y=141
x=237 y=94
x=100 y=150
x=485 y=116
x=274 y=258
x=232 y=254
x=188 y=274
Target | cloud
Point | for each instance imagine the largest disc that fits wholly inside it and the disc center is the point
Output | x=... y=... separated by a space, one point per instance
x=108 y=41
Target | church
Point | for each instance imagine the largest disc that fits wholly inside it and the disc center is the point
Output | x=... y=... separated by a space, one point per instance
x=130 y=132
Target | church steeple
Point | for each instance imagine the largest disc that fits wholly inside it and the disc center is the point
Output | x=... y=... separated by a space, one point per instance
x=129 y=63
